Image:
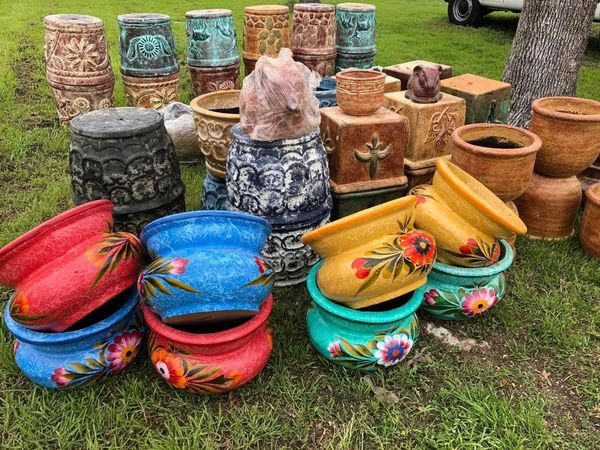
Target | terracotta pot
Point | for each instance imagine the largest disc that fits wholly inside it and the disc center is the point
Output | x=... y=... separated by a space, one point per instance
x=501 y=157
x=569 y=128
x=211 y=38
x=550 y=206
x=589 y=176
x=589 y=232
x=70 y=101
x=372 y=256
x=214 y=79
x=313 y=37
x=215 y=115
x=324 y=65
x=210 y=362
x=151 y=92
x=360 y=92
x=465 y=217
x=67 y=267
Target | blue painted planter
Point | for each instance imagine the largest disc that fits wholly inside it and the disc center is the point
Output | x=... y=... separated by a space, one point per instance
x=458 y=293
x=326 y=93
x=147 y=45
x=214 y=194
x=75 y=358
x=205 y=266
x=361 y=339
x=211 y=38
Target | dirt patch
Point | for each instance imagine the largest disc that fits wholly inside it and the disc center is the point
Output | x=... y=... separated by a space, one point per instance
x=24 y=68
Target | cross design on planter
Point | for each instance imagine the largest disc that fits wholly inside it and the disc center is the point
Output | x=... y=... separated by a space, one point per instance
x=374 y=154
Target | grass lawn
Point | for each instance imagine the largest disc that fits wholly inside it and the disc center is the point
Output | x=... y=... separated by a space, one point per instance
x=535 y=384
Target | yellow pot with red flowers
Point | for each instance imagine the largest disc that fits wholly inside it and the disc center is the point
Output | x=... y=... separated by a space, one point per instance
x=374 y=255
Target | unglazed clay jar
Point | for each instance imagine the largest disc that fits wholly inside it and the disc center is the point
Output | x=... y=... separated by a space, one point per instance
x=266 y=31
x=313 y=37
x=213 y=79
x=570 y=131
x=589 y=232
x=501 y=157
x=360 y=92
x=151 y=92
x=550 y=206
x=372 y=256
x=465 y=218
x=70 y=101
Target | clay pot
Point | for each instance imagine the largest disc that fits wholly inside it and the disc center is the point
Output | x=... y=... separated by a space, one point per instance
x=215 y=115
x=70 y=101
x=569 y=128
x=214 y=79
x=590 y=176
x=214 y=361
x=211 y=38
x=151 y=92
x=589 y=233
x=465 y=218
x=364 y=340
x=313 y=37
x=355 y=36
x=214 y=193
x=372 y=256
x=102 y=345
x=323 y=65
x=360 y=92
x=67 y=267
x=205 y=267
x=501 y=157
x=550 y=206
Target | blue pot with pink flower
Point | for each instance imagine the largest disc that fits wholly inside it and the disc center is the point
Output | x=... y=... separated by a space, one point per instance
x=102 y=344
x=459 y=293
x=205 y=267
x=370 y=338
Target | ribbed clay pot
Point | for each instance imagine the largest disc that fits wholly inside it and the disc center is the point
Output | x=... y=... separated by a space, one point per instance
x=210 y=360
x=360 y=92
x=213 y=79
x=589 y=232
x=313 y=37
x=362 y=339
x=102 y=345
x=67 y=267
x=211 y=38
x=501 y=157
x=151 y=92
x=550 y=206
x=355 y=35
x=570 y=131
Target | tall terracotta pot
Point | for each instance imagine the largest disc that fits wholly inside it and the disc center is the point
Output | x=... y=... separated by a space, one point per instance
x=589 y=232
x=313 y=37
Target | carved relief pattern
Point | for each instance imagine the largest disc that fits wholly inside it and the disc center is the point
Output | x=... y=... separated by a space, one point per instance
x=442 y=126
x=214 y=142
x=207 y=80
x=135 y=222
x=211 y=38
x=70 y=104
x=214 y=194
x=356 y=29
x=148 y=46
x=364 y=87
x=266 y=34
x=375 y=153
x=314 y=30
x=152 y=95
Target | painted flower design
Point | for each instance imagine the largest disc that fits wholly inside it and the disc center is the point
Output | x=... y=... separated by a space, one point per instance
x=20 y=311
x=478 y=301
x=61 y=377
x=114 y=248
x=82 y=54
x=123 y=350
x=469 y=248
x=335 y=349
x=419 y=248
x=430 y=296
x=160 y=276
x=393 y=349
x=169 y=366
x=266 y=275
x=359 y=264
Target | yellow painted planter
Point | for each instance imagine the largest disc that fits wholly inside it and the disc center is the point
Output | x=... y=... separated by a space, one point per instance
x=466 y=218
x=374 y=255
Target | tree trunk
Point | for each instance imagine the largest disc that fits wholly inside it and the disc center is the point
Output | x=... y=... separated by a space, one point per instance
x=546 y=52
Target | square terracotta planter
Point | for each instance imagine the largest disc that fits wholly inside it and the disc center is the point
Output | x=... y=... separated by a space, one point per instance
x=365 y=152
x=430 y=124
x=352 y=202
x=421 y=172
x=487 y=100
x=403 y=71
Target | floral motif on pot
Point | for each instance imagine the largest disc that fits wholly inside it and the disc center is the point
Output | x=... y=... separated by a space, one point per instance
x=149 y=47
x=442 y=126
x=111 y=250
x=161 y=276
x=19 y=309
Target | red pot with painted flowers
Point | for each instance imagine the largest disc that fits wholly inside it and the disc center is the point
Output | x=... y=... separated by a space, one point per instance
x=68 y=267
x=210 y=359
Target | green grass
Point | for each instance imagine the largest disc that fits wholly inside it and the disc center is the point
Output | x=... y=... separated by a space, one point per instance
x=536 y=386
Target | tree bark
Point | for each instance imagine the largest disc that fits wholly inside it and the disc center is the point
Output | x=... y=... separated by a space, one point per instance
x=546 y=53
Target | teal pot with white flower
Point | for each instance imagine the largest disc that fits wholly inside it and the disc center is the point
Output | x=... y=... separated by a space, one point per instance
x=366 y=339
x=458 y=293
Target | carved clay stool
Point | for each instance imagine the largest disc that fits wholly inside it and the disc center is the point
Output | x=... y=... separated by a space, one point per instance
x=355 y=36
x=313 y=37
x=151 y=92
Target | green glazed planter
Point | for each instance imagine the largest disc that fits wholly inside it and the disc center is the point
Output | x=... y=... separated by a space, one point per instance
x=364 y=340
x=458 y=293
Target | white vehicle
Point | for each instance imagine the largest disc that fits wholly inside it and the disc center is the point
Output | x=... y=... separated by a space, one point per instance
x=470 y=12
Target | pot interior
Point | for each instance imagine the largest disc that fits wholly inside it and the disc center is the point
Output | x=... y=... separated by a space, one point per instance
x=102 y=313
x=210 y=327
x=223 y=102
x=499 y=142
x=389 y=305
x=571 y=105
x=361 y=75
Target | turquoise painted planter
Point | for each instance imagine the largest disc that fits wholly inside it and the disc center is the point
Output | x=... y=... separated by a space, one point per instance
x=355 y=38
x=212 y=40
x=364 y=340
x=458 y=293
x=345 y=61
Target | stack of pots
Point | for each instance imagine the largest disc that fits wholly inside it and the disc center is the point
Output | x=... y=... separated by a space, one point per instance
x=73 y=312
x=569 y=128
x=212 y=52
x=78 y=67
x=148 y=60
x=206 y=297
x=313 y=37
x=355 y=36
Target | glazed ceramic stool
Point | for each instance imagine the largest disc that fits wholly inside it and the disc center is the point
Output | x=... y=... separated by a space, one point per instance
x=403 y=71
x=355 y=36
x=313 y=37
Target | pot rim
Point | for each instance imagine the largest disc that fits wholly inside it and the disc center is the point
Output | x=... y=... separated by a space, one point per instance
x=539 y=108
x=316 y=7
x=502 y=131
x=203 y=339
x=242 y=137
x=53 y=223
x=500 y=266
x=148 y=119
x=76 y=20
x=195 y=104
x=447 y=170
x=24 y=334
x=143 y=18
x=347 y=75
x=209 y=13
x=354 y=315
x=354 y=6
x=593 y=194
x=267 y=9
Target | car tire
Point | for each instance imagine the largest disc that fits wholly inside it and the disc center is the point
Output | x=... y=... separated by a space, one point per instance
x=465 y=12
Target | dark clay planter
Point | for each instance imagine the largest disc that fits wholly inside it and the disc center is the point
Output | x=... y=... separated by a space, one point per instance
x=212 y=79
x=147 y=45
x=211 y=38
x=125 y=155
x=326 y=93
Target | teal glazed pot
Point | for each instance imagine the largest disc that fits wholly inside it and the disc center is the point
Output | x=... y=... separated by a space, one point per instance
x=361 y=339
x=211 y=38
x=355 y=37
x=345 y=61
x=101 y=345
x=147 y=45
x=458 y=293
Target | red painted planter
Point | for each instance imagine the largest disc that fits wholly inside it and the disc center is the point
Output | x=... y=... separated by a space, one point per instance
x=210 y=363
x=68 y=267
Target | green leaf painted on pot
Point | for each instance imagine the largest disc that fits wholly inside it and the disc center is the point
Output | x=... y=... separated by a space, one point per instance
x=262 y=47
x=269 y=23
x=271 y=40
x=263 y=35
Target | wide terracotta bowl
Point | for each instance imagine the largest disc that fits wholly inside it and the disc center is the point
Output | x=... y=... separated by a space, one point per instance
x=466 y=218
x=372 y=256
x=68 y=267
x=589 y=232
x=501 y=157
x=213 y=361
x=360 y=92
x=570 y=131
